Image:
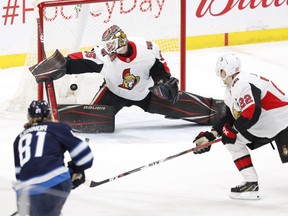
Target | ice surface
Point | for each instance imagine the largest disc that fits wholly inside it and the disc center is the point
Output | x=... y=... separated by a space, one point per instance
x=187 y=185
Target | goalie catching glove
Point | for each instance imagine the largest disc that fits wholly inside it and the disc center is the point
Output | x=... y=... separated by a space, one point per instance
x=50 y=69
x=166 y=89
x=201 y=139
x=77 y=175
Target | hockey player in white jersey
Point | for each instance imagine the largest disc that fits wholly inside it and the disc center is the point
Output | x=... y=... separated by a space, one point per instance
x=134 y=72
x=130 y=68
x=256 y=114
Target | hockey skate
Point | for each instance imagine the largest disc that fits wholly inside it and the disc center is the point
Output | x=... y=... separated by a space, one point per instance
x=246 y=191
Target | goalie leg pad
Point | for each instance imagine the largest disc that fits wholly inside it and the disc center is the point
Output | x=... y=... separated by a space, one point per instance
x=189 y=107
x=88 y=118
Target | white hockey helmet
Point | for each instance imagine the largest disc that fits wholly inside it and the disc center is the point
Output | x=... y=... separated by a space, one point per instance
x=230 y=63
x=114 y=39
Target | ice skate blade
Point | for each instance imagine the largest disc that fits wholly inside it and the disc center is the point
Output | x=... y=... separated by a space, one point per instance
x=245 y=195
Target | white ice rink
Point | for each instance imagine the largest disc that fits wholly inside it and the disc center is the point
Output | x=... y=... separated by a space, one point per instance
x=187 y=185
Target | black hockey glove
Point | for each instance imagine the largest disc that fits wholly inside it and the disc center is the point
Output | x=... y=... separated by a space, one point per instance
x=229 y=134
x=50 y=69
x=203 y=138
x=167 y=89
x=77 y=175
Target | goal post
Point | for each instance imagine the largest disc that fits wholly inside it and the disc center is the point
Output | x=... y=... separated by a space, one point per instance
x=77 y=25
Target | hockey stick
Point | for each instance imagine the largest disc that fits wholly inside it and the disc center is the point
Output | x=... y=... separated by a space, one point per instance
x=15 y=213
x=49 y=85
x=91 y=183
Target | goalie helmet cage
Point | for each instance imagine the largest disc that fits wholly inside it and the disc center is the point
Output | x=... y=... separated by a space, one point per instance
x=73 y=25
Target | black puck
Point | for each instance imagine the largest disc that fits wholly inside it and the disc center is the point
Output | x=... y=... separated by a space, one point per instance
x=73 y=87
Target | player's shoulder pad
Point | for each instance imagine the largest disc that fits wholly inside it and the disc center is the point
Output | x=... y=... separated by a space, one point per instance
x=58 y=126
x=239 y=79
x=240 y=83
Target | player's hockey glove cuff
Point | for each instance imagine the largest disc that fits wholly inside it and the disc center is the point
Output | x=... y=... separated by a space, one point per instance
x=77 y=175
x=203 y=138
x=167 y=89
x=229 y=134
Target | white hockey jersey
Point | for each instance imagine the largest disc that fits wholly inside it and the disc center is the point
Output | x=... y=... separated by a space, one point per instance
x=128 y=77
x=274 y=104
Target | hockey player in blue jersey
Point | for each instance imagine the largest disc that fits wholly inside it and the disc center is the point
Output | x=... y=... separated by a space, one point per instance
x=39 y=162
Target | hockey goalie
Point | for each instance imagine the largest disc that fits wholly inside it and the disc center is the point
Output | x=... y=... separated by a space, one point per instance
x=135 y=73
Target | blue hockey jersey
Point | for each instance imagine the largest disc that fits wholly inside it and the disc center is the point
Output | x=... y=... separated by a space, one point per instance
x=39 y=154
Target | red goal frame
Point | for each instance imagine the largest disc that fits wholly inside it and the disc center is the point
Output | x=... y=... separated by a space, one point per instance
x=43 y=4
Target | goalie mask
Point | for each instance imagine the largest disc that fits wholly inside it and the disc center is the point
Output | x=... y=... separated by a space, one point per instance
x=114 y=39
x=230 y=63
x=39 y=109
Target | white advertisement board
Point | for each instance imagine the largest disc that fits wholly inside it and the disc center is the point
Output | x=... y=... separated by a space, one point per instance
x=204 y=17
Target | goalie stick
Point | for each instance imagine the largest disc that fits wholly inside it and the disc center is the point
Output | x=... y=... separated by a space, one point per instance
x=91 y=183
x=15 y=213
x=49 y=85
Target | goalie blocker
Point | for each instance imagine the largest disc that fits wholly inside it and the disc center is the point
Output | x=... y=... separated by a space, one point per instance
x=49 y=69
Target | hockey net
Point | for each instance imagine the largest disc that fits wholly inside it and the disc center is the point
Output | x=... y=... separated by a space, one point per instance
x=77 y=25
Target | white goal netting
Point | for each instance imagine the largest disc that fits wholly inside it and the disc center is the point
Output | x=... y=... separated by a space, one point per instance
x=77 y=27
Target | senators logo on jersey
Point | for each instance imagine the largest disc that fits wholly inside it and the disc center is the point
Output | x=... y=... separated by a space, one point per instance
x=129 y=80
